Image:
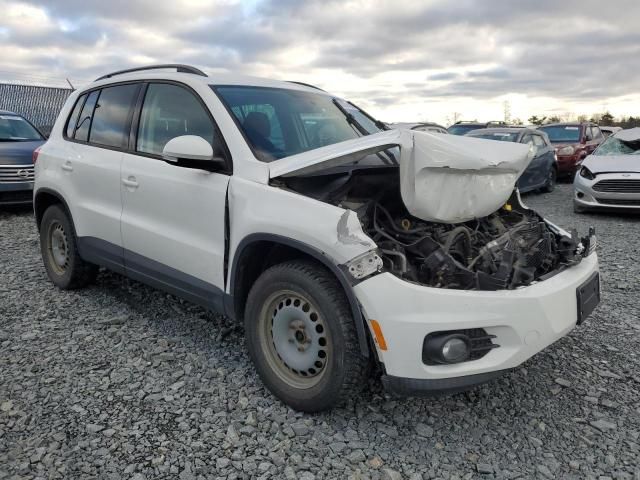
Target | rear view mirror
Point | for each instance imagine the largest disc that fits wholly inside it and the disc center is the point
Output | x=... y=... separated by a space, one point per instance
x=191 y=151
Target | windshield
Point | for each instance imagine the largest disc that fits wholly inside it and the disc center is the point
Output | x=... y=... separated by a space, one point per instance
x=615 y=146
x=563 y=133
x=502 y=136
x=462 y=129
x=16 y=129
x=279 y=122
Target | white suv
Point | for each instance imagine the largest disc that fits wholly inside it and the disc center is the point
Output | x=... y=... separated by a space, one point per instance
x=340 y=244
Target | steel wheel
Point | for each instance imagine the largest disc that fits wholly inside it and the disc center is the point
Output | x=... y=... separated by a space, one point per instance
x=58 y=248
x=295 y=339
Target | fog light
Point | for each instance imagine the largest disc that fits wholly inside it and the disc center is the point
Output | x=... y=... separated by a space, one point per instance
x=447 y=348
x=455 y=350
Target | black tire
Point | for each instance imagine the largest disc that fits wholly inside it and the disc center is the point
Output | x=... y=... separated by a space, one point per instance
x=552 y=179
x=59 y=249
x=341 y=371
x=578 y=209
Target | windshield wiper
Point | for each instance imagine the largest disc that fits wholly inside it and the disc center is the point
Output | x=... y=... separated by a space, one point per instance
x=377 y=123
x=350 y=118
x=391 y=159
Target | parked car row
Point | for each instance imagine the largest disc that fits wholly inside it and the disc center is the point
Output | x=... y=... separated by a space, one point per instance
x=18 y=140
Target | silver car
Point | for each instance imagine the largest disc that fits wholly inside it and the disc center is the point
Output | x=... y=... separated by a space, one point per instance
x=610 y=177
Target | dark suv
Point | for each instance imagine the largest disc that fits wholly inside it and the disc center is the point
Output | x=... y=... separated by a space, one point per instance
x=573 y=142
x=18 y=141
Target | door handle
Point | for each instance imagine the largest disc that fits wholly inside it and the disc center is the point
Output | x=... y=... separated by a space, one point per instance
x=67 y=166
x=130 y=182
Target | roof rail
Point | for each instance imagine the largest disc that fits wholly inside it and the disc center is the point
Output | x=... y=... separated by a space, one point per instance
x=306 y=85
x=179 y=68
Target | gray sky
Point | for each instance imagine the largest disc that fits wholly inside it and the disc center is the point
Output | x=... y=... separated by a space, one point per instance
x=402 y=61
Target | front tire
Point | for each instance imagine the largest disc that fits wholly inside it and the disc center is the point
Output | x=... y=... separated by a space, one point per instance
x=578 y=209
x=59 y=248
x=302 y=338
x=552 y=179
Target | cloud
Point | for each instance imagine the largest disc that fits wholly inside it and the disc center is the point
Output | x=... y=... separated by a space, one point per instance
x=395 y=57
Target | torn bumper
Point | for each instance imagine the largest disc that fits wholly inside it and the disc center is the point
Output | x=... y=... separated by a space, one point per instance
x=524 y=321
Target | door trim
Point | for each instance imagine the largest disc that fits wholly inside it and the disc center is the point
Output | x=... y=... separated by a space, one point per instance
x=151 y=272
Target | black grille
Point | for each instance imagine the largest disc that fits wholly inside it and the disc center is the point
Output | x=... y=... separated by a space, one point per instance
x=619 y=201
x=23 y=196
x=481 y=343
x=618 y=186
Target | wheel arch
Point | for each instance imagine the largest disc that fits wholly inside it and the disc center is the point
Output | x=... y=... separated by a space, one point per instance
x=259 y=251
x=43 y=199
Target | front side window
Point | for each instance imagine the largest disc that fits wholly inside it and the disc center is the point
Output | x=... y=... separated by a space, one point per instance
x=84 y=120
x=110 y=126
x=14 y=128
x=279 y=122
x=597 y=133
x=171 y=111
x=562 y=133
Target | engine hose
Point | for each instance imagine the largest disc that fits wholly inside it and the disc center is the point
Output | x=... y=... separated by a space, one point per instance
x=453 y=236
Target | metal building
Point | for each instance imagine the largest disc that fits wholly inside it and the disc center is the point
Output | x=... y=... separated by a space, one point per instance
x=40 y=105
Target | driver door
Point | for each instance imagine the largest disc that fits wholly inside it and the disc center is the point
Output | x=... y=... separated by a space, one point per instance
x=173 y=218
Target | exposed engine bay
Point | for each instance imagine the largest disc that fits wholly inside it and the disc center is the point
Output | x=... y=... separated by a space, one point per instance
x=510 y=248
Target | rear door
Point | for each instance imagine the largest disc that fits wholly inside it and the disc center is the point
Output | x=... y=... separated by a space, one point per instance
x=98 y=131
x=173 y=218
x=528 y=178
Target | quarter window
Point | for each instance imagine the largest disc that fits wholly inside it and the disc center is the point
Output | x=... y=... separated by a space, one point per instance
x=73 y=118
x=171 y=111
x=84 y=120
x=110 y=125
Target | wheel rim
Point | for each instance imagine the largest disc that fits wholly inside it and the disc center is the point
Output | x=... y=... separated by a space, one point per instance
x=58 y=248
x=295 y=339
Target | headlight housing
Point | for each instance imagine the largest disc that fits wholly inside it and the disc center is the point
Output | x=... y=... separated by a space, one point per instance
x=568 y=150
x=586 y=173
x=364 y=265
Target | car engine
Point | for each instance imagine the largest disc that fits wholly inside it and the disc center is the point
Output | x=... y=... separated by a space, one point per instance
x=510 y=248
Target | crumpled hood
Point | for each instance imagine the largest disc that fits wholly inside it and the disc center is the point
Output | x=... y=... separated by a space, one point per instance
x=612 y=163
x=443 y=178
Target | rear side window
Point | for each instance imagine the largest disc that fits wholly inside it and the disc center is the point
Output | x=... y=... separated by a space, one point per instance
x=539 y=141
x=171 y=111
x=111 y=119
x=73 y=118
x=84 y=120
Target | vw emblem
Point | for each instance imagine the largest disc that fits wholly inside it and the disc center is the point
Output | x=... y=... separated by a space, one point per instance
x=23 y=173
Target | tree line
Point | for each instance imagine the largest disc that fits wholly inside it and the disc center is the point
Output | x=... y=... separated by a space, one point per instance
x=599 y=118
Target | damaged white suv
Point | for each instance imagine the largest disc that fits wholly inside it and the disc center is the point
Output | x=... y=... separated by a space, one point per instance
x=338 y=243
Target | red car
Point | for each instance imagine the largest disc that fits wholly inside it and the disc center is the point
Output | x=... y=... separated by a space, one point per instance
x=572 y=143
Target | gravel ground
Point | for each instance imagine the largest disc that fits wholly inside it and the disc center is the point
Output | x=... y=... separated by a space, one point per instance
x=121 y=381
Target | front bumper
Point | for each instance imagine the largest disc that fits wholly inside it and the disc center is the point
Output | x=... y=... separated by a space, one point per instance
x=524 y=321
x=585 y=197
x=16 y=193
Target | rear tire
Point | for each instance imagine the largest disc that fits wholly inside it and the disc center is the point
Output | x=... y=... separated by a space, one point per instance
x=302 y=338
x=59 y=248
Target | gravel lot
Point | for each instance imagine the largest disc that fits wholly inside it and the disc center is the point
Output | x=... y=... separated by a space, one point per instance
x=121 y=381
